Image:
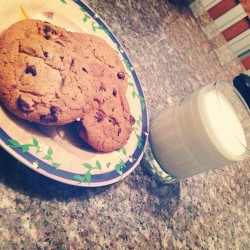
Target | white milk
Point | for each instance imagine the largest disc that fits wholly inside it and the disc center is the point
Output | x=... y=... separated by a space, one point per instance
x=201 y=133
x=223 y=125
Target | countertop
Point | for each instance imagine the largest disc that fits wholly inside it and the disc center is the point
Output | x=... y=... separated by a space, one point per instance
x=172 y=57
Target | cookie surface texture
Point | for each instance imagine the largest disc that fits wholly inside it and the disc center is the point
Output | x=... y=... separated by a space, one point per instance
x=54 y=77
x=38 y=81
x=107 y=126
x=94 y=49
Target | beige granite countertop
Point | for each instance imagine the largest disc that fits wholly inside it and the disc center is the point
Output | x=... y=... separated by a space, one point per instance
x=172 y=57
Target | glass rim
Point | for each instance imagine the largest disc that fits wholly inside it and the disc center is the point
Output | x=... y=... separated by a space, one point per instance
x=239 y=105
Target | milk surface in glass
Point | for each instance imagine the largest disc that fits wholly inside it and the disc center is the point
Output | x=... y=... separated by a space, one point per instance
x=201 y=133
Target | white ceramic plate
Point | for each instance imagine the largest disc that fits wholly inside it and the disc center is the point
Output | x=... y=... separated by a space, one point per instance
x=57 y=151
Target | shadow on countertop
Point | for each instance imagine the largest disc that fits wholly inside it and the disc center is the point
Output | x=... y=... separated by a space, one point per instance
x=25 y=181
x=28 y=182
x=161 y=199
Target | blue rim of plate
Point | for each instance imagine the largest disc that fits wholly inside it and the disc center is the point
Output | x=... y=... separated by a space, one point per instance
x=104 y=178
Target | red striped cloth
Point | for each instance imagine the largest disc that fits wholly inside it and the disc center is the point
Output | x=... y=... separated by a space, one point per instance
x=237 y=29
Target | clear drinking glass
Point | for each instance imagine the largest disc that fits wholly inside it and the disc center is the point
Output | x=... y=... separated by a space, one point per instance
x=206 y=130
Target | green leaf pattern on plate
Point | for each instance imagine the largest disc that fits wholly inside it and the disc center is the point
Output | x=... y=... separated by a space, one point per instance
x=48 y=155
x=119 y=166
x=88 y=174
x=85 y=18
x=83 y=10
x=135 y=128
x=122 y=150
x=129 y=68
x=39 y=148
x=135 y=94
x=96 y=27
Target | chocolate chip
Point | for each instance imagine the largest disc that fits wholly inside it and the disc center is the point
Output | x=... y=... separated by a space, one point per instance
x=114 y=92
x=47 y=37
x=46 y=54
x=112 y=120
x=23 y=105
x=63 y=81
x=60 y=43
x=97 y=100
x=31 y=70
x=72 y=63
x=54 y=110
x=119 y=131
x=53 y=32
x=132 y=120
x=84 y=70
x=46 y=29
x=99 y=116
x=48 y=118
x=121 y=76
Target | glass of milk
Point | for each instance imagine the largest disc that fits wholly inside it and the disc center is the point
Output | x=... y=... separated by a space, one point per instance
x=206 y=130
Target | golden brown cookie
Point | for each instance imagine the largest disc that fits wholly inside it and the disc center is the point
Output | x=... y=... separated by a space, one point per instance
x=37 y=77
x=53 y=77
x=94 y=49
x=108 y=125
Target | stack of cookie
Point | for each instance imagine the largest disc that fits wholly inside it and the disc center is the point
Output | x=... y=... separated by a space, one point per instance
x=54 y=77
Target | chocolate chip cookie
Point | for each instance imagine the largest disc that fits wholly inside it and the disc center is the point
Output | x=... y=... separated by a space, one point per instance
x=38 y=79
x=108 y=125
x=95 y=49
x=54 y=77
